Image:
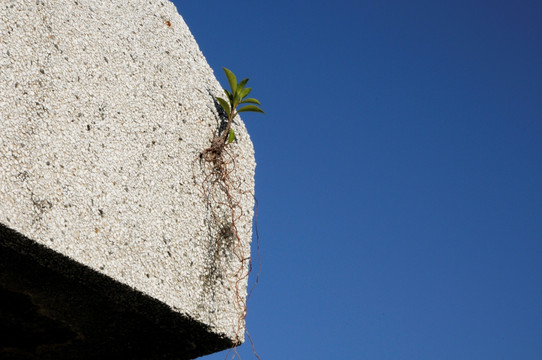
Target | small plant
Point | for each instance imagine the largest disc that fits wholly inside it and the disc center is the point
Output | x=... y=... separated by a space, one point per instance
x=219 y=188
x=236 y=96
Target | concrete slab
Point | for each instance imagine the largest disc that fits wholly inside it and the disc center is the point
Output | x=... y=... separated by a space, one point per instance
x=105 y=108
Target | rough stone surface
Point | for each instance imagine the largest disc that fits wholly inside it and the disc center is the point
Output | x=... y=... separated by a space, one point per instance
x=105 y=108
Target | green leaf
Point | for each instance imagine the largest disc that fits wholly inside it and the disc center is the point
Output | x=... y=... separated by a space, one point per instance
x=231 y=136
x=224 y=105
x=253 y=108
x=245 y=92
x=231 y=79
x=236 y=100
x=250 y=101
x=230 y=96
x=242 y=84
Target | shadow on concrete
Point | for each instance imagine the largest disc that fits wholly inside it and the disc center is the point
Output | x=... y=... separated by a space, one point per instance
x=52 y=307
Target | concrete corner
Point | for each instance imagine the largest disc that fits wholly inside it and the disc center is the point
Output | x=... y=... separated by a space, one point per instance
x=116 y=237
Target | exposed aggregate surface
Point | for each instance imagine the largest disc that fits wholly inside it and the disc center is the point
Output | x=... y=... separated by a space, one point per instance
x=105 y=107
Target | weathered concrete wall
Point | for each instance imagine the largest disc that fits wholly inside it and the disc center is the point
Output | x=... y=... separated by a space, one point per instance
x=105 y=108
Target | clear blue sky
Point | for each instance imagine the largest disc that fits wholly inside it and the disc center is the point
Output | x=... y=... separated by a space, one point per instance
x=399 y=174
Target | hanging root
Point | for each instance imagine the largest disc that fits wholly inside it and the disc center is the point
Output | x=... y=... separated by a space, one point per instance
x=221 y=194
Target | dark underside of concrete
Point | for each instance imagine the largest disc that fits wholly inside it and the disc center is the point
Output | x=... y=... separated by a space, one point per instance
x=56 y=308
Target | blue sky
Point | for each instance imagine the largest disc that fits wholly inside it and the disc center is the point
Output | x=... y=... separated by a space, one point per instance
x=399 y=174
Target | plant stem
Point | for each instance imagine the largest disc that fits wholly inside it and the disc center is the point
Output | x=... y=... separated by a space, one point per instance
x=226 y=132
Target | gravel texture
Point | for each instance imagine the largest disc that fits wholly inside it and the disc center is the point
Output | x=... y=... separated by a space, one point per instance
x=105 y=108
